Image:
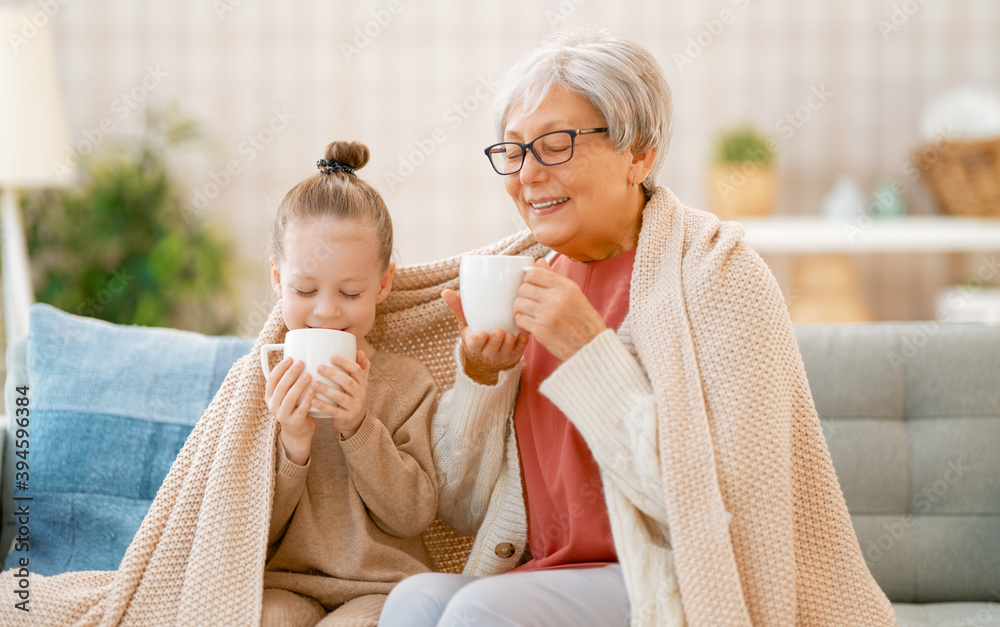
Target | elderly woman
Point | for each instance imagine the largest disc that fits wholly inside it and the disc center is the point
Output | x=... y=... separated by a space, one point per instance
x=647 y=450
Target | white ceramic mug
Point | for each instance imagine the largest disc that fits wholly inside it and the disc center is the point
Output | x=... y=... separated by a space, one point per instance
x=314 y=347
x=488 y=285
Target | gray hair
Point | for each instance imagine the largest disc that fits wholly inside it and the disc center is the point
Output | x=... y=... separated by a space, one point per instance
x=620 y=78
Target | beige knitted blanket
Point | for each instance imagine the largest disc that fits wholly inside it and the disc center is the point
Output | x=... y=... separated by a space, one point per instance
x=754 y=449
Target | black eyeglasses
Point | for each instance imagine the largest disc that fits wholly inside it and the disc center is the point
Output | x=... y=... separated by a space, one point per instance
x=554 y=148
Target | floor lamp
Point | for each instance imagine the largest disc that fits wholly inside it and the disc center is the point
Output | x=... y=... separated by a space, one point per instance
x=33 y=138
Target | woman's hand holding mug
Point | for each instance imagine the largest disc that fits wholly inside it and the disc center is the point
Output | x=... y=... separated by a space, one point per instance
x=486 y=354
x=546 y=305
x=555 y=311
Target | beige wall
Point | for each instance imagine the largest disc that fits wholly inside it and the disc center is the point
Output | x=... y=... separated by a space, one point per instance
x=424 y=78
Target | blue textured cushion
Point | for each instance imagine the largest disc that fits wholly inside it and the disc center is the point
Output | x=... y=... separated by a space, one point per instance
x=111 y=406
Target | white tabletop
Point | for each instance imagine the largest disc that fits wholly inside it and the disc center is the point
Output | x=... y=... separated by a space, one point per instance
x=915 y=234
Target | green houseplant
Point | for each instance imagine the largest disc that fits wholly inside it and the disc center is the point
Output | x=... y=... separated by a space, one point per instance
x=119 y=247
x=742 y=180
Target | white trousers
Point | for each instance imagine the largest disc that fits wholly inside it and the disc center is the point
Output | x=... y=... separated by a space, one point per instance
x=577 y=597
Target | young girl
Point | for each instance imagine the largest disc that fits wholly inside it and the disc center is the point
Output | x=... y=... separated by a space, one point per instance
x=352 y=493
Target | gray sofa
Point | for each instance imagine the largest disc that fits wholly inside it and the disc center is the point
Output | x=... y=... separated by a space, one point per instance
x=911 y=413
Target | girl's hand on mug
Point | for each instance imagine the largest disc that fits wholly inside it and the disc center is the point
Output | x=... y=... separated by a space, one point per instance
x=486 y=354
x=554 y=309
x=350 y=403
x=287 y=382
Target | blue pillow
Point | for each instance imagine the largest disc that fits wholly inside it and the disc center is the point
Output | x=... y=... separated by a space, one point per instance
x=111 y=406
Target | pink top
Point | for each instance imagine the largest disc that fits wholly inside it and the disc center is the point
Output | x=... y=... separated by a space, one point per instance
x=568 y=522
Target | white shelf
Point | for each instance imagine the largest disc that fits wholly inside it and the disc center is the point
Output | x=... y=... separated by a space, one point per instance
x=917 y=234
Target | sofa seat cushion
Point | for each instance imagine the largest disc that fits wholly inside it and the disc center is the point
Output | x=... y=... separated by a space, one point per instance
x=948 y=614
x=111 y=406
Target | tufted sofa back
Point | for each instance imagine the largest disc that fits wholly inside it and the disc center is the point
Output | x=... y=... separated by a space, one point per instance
x=911 y=414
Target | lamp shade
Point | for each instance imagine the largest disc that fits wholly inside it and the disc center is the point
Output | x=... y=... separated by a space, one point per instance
x=33 y=130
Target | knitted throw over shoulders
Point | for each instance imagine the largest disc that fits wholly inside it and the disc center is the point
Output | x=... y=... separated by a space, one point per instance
x=738 y=433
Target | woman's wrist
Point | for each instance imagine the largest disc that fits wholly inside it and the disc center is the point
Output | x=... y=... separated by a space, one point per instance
x=482 y=376
x=484 y=373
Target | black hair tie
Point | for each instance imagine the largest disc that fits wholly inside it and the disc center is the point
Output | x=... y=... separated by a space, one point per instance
x=329 y=166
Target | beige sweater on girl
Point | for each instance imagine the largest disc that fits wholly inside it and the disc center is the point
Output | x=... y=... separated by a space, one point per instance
x=348 y=523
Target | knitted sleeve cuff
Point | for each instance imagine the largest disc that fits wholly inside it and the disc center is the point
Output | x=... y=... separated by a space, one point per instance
x=364 y=433
x=598 y=386
x=476 y=403
x=288 y=468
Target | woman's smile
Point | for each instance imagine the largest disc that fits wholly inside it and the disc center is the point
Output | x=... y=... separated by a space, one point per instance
x=548 y=205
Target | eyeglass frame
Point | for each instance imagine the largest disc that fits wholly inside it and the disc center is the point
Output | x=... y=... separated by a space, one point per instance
x=531 y=146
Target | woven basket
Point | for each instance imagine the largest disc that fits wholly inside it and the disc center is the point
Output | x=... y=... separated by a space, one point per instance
x=963 y=176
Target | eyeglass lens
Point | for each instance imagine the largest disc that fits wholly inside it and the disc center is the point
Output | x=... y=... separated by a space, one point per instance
x=549 y=149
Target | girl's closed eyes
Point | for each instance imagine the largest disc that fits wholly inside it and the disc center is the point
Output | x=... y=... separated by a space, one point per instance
x=304 y=293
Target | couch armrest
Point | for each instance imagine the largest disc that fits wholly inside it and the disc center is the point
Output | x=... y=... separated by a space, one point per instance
x=93 y=383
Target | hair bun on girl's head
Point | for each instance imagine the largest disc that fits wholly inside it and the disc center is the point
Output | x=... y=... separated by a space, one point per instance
x=352 y=154
x=335 y=193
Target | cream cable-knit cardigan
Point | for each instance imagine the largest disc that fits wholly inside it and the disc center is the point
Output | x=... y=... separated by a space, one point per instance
x=736 y=432
x=605 y=393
